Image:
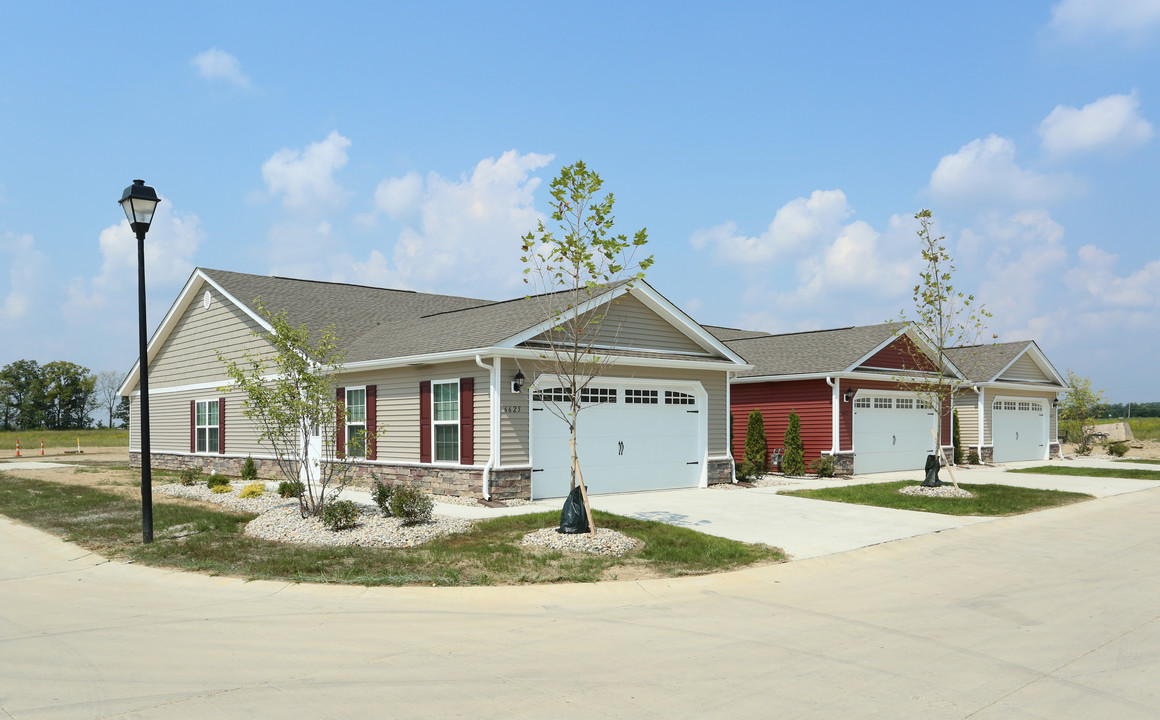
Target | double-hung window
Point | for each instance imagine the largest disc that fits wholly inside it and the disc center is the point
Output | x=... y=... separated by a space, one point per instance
x=445 y=420
x=206 y=426
x=356 y=422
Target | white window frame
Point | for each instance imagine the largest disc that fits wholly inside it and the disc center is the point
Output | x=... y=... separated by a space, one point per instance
x=201 y=441
x=436 y=424
x=361 y=424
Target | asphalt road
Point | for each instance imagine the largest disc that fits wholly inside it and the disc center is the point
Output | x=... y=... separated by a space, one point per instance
x=1049 y=615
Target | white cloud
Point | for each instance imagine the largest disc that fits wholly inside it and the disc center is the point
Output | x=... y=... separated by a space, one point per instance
x=215 y=64
x=27 y=275
x=1079 y=20
x=305 y=178
x=458 y=236
x=984 y=171
x=795 y=225
x=170 y=247
x=1110 y=123
x=1094 y=278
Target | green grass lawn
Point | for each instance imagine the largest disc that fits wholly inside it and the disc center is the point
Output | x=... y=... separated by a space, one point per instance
x=1128 y=472
x=207 y=540
x=989 y=500
x=1145 y=428
x=30 y=439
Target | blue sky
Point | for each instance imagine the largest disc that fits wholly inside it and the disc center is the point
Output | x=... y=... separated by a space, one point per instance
x=776 y=152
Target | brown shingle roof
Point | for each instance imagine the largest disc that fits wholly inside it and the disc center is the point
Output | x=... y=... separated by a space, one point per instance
x=804 y=353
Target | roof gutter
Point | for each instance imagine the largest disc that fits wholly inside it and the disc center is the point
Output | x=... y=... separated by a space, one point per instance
x=493 y=429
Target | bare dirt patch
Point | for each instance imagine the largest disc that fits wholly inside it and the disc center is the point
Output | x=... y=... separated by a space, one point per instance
x=1139 y=449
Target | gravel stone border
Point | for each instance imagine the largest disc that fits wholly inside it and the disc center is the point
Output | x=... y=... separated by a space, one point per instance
x=945 y=491
x=603 y=542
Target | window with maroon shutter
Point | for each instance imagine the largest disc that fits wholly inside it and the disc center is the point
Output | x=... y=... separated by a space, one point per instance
x=467 y=421
x=193 y=426
x=207 y=426
x=221 y=426
x=372 y=423
x=425 y=421
x=340 y=419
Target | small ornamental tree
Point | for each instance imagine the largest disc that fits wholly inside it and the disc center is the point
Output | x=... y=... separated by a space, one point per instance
x=1079 y=406
x=956 y=437
x=794 y=462
x=756 y=450
x=290 y=393
x=573 y=271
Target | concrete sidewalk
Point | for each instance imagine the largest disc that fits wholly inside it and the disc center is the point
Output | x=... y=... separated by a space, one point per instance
x=1047 y=615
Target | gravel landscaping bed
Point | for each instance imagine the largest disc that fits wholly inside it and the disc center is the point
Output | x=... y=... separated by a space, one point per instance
x=602 y=542
x=280 y=520
x=943 y=491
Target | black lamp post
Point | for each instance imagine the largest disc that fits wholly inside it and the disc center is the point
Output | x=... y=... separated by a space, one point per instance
x=139 y=201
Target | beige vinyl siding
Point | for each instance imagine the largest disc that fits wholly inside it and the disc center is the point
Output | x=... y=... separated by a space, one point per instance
x=630 y=324
x=170 y=429
x=515 y=431
x=514 y=418
x=397 y=393
x=1024 y=370
x=1044 y=396
x=966 y=404
x=189 y=354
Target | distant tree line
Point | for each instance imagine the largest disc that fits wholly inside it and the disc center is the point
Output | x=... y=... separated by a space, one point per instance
x=1121 y=410
x=59 y=395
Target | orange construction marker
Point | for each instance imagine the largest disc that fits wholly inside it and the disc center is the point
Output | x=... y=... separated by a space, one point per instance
x=17 y=447
x=42 y=446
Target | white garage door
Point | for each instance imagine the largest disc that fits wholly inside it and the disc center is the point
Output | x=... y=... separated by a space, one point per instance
x=629 y=437
x=891 y=432
x=1018 y=429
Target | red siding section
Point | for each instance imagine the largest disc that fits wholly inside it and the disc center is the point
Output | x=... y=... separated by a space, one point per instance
x=810 y=399
x=846 y=411
x=221 y=426
x=466 y=421
x=902 y=354
x=425 y=421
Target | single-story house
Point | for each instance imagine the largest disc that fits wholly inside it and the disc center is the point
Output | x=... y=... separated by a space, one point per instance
x=1009 y=409
x=431 y=380
x=848 y=386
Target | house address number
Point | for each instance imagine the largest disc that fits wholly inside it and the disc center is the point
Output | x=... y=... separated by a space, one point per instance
x=513 y=409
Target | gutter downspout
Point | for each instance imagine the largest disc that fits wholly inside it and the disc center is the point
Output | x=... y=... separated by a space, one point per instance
x=493 y=398
x=982 y=420
x=729 y=375
x=834 y=399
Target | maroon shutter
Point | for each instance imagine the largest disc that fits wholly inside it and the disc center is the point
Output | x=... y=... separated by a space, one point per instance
x=193 y=426
x=372 y=423
x=425 y=421
x=340 y=420
x=466 y=421
x=221 y=426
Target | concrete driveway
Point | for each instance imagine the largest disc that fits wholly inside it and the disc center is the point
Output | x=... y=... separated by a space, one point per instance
x=1048 y=615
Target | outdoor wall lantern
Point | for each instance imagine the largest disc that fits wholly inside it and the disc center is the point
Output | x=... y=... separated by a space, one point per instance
x=849 y=394
x=139 y=201
x=518 y=381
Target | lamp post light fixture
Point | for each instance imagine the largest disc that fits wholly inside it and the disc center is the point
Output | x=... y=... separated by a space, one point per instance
x=139 y=201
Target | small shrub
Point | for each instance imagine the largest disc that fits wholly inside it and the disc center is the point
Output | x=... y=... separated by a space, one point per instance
x=973 y=457
x=291 y=489
x=340 y=515
x=189 y=476
x=1117 y=448
x=1084 y=449
x=381 y=493
x=220 y=489
x=249 y=470
x=746 y=471
x=411 y=505
x=216 y=480
x=253 y=490
x=823 y=467
x=956 y=437
x=756 y=451
x=794 y=462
